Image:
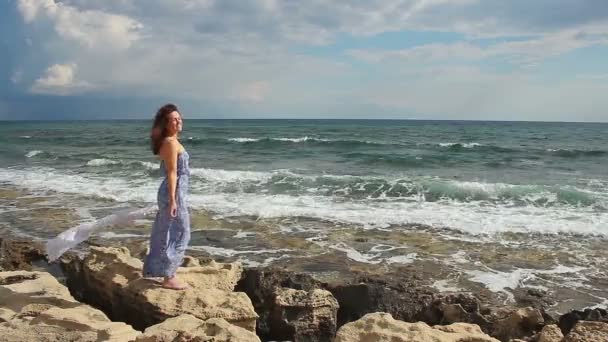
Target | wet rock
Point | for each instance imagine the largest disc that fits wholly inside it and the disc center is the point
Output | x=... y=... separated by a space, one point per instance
x=261 y=286
x=382 y=327
x=520 y=323
x=550 y=333
x=569 y=320
x=586 y=331
x=19 y=254
x=190 y=328
x=402 y=297
x=456 y=307
x=300 y=315
x=35 y=307
x=110 y=279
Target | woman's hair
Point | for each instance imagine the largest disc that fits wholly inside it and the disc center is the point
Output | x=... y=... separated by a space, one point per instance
x=159 y=128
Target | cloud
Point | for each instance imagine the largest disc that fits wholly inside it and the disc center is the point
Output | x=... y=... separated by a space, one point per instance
x=242 y=52
x=59 y=79
x=91 y=28
x=522 y=52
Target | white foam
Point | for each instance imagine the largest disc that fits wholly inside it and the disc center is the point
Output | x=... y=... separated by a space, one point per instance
x=104 y=162
x=242 y=235
x=241 y=140
x=298 y=140
x=402 y=259
x=101 y=162
x=497 y=281
x=476 y=217
x=227 y=252
x=25 y=137
x=465 y=145
x=355 y=255
x=228 y=176
x=33 y=153
x=444 y=286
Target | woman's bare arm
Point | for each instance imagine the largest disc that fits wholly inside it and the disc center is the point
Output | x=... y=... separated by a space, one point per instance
x=168 y=153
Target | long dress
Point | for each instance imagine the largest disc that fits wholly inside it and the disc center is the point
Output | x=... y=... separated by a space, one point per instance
x=170 y=235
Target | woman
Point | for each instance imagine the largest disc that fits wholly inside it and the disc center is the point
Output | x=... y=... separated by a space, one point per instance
x=171 y=229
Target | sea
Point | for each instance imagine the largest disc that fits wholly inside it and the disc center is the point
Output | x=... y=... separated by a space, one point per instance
x=473 y=205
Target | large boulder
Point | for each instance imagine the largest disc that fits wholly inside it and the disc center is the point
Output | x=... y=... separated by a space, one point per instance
x=519 y=323
x=111 y=279
x=568 y=321
x=382 y=327
x=586 y=331
x=35 y=307
x=300 y=315
x=190 y=328
x=550 y=333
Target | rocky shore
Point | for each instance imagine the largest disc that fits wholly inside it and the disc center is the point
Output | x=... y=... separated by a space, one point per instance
x=100 y=296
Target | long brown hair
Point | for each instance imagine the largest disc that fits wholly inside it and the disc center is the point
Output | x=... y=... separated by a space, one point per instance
x=159 y=127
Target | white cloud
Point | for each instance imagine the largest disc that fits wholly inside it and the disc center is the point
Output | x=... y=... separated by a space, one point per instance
x=524 y=52
x=91 y=28
x=60 y=79
x=219 y=51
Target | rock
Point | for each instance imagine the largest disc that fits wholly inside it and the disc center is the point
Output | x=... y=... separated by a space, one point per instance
x=35 y=307
x=569 y=320
x=381 y=327
x=456 y=307
x=300 y=315
x=110 y=279
x=518 y=324
x=401 y=296
x=19 y=254
x=587 y=331
x=261 y=285
x=550 y=333
x=190 y=262
x=190 y=328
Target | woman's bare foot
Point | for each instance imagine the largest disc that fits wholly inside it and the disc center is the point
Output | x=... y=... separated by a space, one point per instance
x=173 y=284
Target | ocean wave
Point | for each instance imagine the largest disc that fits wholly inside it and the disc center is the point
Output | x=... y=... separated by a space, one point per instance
x=266 y=141
x=33 y=153
x=25 y=136
x=419 y=189
x=476 y=215
x=105 y=162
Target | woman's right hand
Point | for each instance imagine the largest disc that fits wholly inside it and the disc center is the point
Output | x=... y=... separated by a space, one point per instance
x=172 y=209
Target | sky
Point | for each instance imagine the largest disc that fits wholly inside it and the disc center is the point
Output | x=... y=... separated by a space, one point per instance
x=542 y=60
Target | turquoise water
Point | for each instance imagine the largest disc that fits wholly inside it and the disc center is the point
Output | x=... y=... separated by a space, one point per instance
x=473 y=177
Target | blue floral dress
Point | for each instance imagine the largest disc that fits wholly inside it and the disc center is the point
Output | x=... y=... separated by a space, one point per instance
x=170 y=235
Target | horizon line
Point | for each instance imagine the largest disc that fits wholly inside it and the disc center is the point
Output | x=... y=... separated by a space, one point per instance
x=304 y=119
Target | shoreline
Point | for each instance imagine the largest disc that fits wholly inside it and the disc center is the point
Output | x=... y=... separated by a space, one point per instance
x=401 y=294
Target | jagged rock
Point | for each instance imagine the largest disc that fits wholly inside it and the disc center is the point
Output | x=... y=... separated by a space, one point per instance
x=381 y=327
x=190 y=328
x=519 y=323
x=110 y=279
x=550 y=333
x=35 y=307
x=569 y=320
x=456 y=307
x=586 y=331
x=401 y=296
x=18 y=254
x=300 y=315
x=261 y=285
